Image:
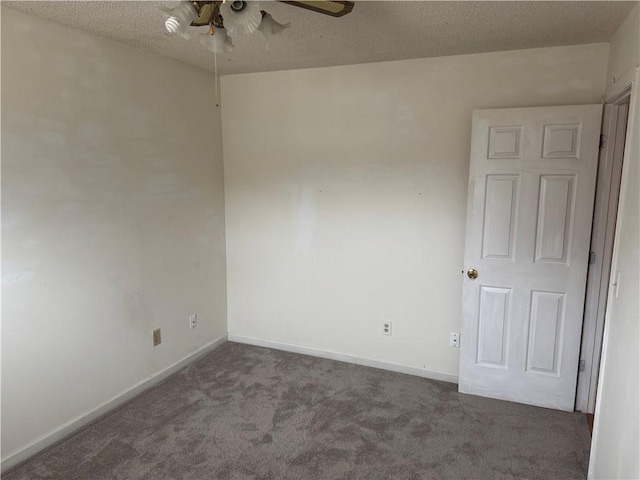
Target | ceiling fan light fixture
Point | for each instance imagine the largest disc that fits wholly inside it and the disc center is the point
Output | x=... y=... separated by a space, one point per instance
x=241 y=17
x=270 y=28
x=237 y=17
x=217 y=42
x=180 y=18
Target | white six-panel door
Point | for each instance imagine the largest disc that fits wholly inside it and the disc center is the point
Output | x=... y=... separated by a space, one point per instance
x=531 y=190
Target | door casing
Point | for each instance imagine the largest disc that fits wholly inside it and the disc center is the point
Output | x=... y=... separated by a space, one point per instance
x=613 y=136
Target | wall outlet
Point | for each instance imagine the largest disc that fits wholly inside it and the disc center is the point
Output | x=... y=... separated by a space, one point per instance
x=386 y=328
x=454 y=340
x=157 y=337
x=193 y=321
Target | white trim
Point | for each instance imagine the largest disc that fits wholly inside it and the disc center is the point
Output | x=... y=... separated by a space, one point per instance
x=75 y=424
x=345 y=357
x=621 y=83
x=602 y=237
x=632 y=125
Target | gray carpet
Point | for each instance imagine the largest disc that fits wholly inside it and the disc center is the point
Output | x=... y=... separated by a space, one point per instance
x=244 y=412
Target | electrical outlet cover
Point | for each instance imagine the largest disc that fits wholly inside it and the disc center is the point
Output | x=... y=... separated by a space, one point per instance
x=157 y=337
x=386 y=328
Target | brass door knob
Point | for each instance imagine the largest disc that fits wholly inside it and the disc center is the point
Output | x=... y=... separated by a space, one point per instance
x=472 y=273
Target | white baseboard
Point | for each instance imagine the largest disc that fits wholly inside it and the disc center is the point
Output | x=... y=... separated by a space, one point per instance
x=57 y=434
x=344 y=357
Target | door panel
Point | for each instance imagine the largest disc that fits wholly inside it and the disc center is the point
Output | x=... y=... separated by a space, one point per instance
x=545 y=332
x=555 y=207
x=500 y=215
x=492 y=326
x=531 y=187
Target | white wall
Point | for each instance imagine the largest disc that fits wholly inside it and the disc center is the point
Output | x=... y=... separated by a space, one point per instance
x=624 y=49
x=112 y=222
x=346 y=194
x=616 y=437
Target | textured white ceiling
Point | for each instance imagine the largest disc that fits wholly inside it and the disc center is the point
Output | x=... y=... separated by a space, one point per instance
x=374 y=31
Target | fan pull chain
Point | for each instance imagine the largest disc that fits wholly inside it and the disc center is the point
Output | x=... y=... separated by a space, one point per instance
x=215 y=66
x=215 y=72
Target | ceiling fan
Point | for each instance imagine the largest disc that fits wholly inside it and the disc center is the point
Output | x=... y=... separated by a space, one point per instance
x=228 y=18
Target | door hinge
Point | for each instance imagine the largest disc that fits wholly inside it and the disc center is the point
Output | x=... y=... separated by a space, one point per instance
x=592 y=257
x=583 y=365
x=603 y=141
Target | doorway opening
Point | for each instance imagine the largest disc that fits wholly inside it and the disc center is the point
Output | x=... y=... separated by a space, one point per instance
x=612 y=147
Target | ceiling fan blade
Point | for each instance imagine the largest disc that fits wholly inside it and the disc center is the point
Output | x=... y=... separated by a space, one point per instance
x=328 y=7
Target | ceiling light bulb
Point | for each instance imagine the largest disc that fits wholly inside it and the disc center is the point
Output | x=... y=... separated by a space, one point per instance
x=238 y=5
x=180 y=18
x=172 y=24
x=241 y=18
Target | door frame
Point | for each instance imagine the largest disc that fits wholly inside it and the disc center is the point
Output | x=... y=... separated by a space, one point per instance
x=609 y=182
